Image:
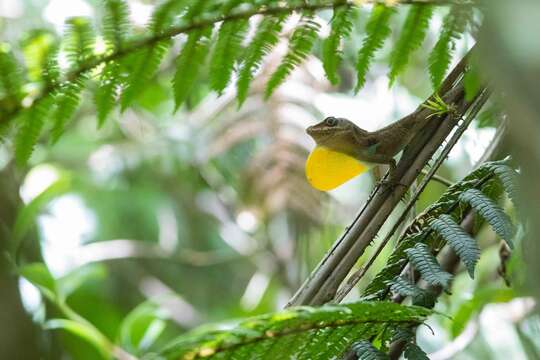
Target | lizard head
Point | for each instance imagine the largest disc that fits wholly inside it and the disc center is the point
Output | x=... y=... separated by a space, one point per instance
x=337 y=133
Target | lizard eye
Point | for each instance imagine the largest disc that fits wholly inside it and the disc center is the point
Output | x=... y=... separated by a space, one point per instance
x=331 y=121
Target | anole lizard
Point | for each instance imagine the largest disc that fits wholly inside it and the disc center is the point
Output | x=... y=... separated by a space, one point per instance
x=344 y=150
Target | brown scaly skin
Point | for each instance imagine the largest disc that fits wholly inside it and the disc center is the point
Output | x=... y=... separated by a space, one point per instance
x=377 y=147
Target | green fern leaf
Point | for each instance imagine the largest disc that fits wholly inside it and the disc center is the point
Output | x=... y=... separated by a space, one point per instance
x=115 y=23
x=461 y=242
x=79 y=41
x=377 y=30
x=414 y=352
x=454 y=24
x=424 y=261
x=227 y=50
x=164 y=15
x=143 y=65
x=105 y=96
x=402 y=286
x=30 y=130
x=67 y=102
x=491 y=212
x=189 y=62
x=328 y=332
x=264 y=40
x=331 y=52
x=508 y=178
x=300 y=46
x=11 y=79
x=37 y=47
x=364 y=350
x=410 y=39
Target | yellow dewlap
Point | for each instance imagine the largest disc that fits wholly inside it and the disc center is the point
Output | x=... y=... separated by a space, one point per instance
x=327 y=169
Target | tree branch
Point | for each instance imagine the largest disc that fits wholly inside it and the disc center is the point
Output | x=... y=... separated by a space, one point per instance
x=140 y=43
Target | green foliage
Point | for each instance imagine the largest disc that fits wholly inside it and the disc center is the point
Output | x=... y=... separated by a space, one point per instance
x=414 y=352
x=483 y=178
x=67 y=101
x=410 y=38
x=327 y=331
x=402 y=286
x=37 y=48
x=424 y=261
x=30 y=130
x=491 y=212
x=263 y=42
x=106 y=93
x=10 y=75
x=508 y=178
x=300 y=44
x=226 y=52
x=189 y=63
x=331 y=47
x=364 y=350
x=454 y=25
x=115 y=23
x=79 y=41
x=377 y=30
x=85 y=332
x=461 y=242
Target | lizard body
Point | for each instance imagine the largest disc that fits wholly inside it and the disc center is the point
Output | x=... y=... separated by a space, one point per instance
x=339 y=141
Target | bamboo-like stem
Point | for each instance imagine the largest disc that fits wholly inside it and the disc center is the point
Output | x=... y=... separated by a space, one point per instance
x=322 y=284
x=355 y=278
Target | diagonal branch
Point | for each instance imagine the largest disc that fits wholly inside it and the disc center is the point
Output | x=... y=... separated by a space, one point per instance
x=322 y=284
x=140 y=43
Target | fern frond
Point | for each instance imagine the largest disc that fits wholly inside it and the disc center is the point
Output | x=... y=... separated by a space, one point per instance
x=226 y=52
x=424 y=261
x=11 y=79
x=328 y=331
x=491 y=212
x=189 y=62
x=410 y=39
x=79 y=41
x=143 y=65
x=377 y=30
x=414 y=352
x=264 y=40
x=331 y=52
x=115 y=23
x=461 y=242
x=105 y=96
x=36 y=48
x=30 y=130
x=300 y=46
x=508 y=178
x=454 y=25
x=67 y=102
x=50 y=73
x=364 y=350
x=164 y=15
x=402 y=286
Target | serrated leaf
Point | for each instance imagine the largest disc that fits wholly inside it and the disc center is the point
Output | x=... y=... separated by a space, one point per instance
x=263 y=42
x=115 y=23
x=189 y=63
x=106 y=94
x=454 y=24
x=424 y=261
x=79 y=41
x=227 y=50
x=461 y=242
x=491 y=212
x=67 y=102
x=331 y=47
x=300 y=45
x=377 y=30
x=410 y=38
x=364 y=350
x=31 y=128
